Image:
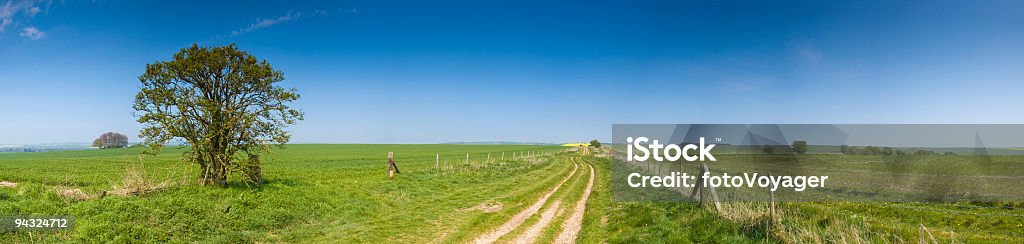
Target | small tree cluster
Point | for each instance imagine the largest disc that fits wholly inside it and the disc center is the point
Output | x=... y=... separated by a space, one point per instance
x=111 y=140
x=595 y=143
x=873 y=150
x=800 y=147
x=930 y=152
x=768 y=149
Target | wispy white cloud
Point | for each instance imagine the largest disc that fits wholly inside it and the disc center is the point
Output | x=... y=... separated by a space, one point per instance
x=6 y=15
x=11 y=9
x=32 y=33
x=4 y=23
x=268 y=22
x=292 y=15
x=809 y=54
x=262 y=23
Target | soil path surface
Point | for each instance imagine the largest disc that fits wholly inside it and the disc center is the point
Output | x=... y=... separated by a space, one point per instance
x=519 y=218
x=531 y=234
x=571 y=227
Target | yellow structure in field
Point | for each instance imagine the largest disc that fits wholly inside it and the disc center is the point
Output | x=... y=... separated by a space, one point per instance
x=584 y=148
x=576 y=144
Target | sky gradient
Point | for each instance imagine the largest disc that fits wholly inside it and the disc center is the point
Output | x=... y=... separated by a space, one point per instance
x=430 y=72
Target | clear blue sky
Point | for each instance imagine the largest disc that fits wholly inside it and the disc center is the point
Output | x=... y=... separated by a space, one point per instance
x=425 y=71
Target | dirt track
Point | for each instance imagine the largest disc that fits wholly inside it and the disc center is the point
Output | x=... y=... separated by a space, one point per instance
x=535 y=230
x=519 y=218
x=570 y=227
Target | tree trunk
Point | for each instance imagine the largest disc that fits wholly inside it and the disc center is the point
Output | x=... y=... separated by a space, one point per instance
x=213 y=173
x=205 y=180
x=221 y=177
x=205 y=174
x=254 y=172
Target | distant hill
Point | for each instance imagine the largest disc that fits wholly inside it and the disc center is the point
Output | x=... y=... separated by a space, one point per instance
x=498 y=143
x=45 y=147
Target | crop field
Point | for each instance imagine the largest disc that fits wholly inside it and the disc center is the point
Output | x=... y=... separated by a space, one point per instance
x=340 y=193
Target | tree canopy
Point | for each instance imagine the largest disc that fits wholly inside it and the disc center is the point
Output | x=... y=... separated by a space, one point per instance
x=768 y=149
x=111 y=140
x=221 y=101
x=800 y=147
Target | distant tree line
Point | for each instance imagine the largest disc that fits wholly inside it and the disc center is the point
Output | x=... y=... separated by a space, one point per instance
x=887 y=151
x=798 y=147
x=111 y=140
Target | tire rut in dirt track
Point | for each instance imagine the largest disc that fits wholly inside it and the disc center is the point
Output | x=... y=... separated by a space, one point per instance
x=520 y=217
x=531 y=234
x=571 y=227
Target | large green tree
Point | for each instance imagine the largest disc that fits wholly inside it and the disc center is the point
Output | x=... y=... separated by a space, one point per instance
x=222 y=102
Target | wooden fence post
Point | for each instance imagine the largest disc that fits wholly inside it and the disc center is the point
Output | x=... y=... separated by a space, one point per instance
x=702 y=193
x=502 y=155
x=771 y=202
x=705 y=190
x=391 y=165
x=697 y=187
x=391 y=156
x=714 y=196
x=437 y=163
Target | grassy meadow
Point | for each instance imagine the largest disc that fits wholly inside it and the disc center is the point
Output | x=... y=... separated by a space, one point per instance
x=870 y=199
x=314 y=193
x=339 y=193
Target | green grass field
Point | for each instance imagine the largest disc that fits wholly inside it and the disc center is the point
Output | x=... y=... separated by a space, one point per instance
x=314 y=192
x=340 y=193
x=867 y=183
